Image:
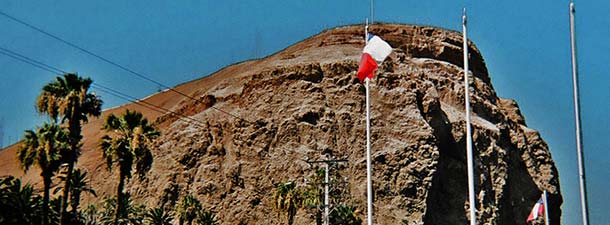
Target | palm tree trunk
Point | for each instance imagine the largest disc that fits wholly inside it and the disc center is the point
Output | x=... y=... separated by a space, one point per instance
x=75 y=136
x=74 y=202
x=67 y=186
x=119 y=197
x=45 y=201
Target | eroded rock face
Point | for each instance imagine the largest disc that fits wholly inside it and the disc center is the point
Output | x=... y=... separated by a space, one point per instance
x=306 y=100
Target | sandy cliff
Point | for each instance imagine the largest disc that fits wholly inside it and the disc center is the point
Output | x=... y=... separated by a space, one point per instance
x=306 y=100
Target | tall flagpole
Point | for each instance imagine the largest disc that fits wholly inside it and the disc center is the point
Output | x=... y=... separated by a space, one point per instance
x=546 y=208
x=581 y=163
x=369 y=182
x=471 y=199
x=326 y=197
x=371 y=11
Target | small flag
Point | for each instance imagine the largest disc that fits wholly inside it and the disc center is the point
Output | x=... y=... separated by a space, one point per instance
x=536 y=211
x=373 y=54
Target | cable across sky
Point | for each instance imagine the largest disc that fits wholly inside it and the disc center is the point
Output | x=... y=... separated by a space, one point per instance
x=103 y=88
x=104 y=59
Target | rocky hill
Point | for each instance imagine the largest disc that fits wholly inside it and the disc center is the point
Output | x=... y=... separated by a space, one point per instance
x=257 y=122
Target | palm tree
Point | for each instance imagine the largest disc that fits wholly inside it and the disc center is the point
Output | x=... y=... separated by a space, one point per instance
x=205 y=217
x=18 y=204
x=159 y=216
x=130 y=214
x=79 y=184
x=43 y=147
x=288 y=199
x=68 y=100
x=129 y=142
x=89 y=216
x=313 y=197
x=188 y=209
x=344 y=215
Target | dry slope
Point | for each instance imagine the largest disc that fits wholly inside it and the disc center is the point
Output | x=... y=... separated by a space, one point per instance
x=306 y=100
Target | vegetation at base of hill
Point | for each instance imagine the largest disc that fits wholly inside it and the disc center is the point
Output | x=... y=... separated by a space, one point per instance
x=289 y=198
x=54 y=148
x=127 y=143
x=20 y=205
x=69 y=103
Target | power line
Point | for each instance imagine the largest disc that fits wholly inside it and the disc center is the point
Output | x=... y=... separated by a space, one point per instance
x=26 y=60
x=146 y=104
x=57 y=71
x=113 y=63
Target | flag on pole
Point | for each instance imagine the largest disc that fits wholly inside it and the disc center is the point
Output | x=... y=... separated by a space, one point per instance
x=536 y=211
x=373 y=54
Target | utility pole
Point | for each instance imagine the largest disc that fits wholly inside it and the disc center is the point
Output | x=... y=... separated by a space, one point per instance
x=1 y=132
x=327 y=164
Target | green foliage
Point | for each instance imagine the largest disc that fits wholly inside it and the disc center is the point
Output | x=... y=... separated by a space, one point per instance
x=188 y=209
x=128 y=141
x=158 y=216
x=128 y=215
x=344 y=215
x=68 y=100
x=312 y=198
x=205 y=217
x=18 y=204
x=191 y=210
x=89 y=215
x=287 y=199
x=80 y=184
x=44 y=147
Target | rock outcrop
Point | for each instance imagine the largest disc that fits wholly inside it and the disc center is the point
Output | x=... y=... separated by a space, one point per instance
x=257 y=121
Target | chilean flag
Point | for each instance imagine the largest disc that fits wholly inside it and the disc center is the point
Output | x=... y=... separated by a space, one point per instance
x=375 y=51
x=536 y=211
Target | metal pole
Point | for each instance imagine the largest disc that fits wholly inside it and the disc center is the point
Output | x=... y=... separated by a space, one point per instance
x=371 y=11
x=366 y=31
x=469 y=157
x=546 y=208
x=581 y=163
x=327 y=166
x=326 y=202
x=369 y=183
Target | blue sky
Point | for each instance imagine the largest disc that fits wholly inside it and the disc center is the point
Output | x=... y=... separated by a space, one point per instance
x=525 y=45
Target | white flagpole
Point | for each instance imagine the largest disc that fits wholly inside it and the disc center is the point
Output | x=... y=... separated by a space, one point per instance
x=371 y=11
x=369 y=182
x=469 y=157
x=546 y=208
x=581 y=163
x=326 y=197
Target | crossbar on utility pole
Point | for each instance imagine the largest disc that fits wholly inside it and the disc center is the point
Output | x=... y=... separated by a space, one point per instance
x=327 y=164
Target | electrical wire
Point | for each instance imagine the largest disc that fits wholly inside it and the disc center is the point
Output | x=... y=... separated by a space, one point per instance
x=108 y=90
x=140 y=75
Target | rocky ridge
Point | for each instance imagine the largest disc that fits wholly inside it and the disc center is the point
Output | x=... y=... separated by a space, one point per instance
x=306 y=100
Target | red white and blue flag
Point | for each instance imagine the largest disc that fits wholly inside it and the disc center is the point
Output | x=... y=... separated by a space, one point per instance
x=536 y=211
x=375 y=51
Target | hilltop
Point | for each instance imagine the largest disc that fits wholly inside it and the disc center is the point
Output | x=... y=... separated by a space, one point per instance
x=305 y=101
